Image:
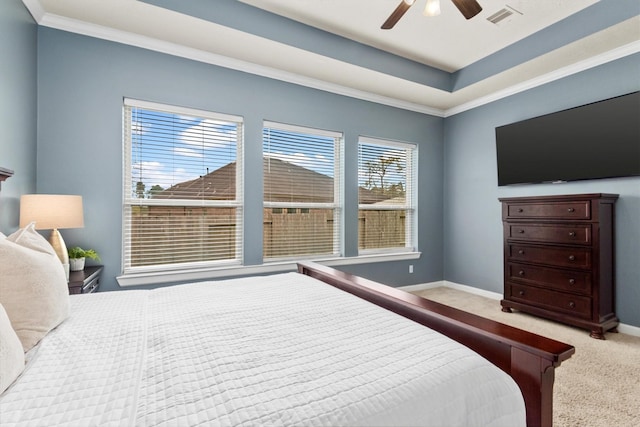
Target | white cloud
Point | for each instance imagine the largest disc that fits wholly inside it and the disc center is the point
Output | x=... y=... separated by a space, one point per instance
x=188 y=152
x=138 y=128
x=318 y=162
x=209 y=133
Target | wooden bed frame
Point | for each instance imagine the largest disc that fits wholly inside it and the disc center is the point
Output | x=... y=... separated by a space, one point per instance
x=528 y=358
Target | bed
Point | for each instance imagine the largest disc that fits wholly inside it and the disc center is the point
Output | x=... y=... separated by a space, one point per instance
x=317 y=347
x=529 y=359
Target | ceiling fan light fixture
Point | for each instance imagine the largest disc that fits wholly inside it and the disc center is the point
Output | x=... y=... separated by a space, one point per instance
x=432 y=8
x=409 y=2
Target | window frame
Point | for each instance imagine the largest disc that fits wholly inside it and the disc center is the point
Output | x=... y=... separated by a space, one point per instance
x=411 y=196
x=225 y=269
x=338 y=182
x=128 y=201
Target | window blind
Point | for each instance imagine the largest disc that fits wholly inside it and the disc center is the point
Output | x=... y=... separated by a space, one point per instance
x=182 y=187
x=386 y=195
x=302 y=191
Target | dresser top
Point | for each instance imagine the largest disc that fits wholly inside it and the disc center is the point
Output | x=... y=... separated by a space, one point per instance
x=557 y=198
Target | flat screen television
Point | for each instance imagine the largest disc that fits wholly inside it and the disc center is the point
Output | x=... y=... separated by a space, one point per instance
x=598 y=140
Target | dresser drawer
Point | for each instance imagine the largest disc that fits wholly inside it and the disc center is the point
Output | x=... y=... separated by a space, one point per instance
x=555 y=210
x=575 y=305
x=551 y=255
x=574 y=234
x=91 y=286
x=85 y=281
x=559 y=258
x=564 y=280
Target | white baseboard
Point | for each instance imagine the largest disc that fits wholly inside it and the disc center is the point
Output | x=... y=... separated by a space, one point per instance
x=622 y=328
x=629 y=330
x=422 y=286
x=452 y=285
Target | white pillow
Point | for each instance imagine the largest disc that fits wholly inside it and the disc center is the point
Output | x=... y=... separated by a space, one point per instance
x=33 y=285
x=11 y=353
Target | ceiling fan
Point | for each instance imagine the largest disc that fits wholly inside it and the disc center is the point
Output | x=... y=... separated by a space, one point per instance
x=468 y=8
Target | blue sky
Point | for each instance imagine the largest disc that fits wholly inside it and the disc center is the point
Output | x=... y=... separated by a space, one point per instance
x=168 y=148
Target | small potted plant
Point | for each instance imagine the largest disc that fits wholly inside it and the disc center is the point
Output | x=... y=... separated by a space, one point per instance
x=77 y=257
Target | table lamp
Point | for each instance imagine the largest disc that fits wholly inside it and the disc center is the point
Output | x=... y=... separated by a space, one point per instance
x=51 y=212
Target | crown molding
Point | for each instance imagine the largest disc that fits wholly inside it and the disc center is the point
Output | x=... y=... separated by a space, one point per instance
x=137 y=40
x=119 y=36
x=35 y=9
x=558 y=74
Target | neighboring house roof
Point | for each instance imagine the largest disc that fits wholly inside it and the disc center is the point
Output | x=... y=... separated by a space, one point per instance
x=217 y=185
x=281 y=180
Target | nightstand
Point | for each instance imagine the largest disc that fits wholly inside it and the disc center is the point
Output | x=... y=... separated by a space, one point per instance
x=86 y=281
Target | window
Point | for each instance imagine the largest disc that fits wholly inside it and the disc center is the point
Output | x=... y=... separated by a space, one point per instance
x=386 y=195
x=182 y=187
x=302 y=176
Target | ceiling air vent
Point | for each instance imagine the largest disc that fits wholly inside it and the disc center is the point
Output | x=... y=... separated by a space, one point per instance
x=503 y=16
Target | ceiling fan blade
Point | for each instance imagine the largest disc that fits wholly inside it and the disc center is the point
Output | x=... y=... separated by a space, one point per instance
x=469 y=8
x=397 y=14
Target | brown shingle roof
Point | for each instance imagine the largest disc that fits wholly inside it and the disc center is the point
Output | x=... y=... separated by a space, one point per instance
x=281 y=180
x=217 y=185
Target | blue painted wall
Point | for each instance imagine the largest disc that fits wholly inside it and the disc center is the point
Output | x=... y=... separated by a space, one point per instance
x=18 y=53
x=81 y=85
x=253 y=20
x=77 y=84
x=472 y=213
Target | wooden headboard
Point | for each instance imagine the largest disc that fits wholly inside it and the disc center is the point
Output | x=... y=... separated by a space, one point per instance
x=4 y=174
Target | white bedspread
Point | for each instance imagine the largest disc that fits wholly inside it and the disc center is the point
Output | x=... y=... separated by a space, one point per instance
x=281 y=350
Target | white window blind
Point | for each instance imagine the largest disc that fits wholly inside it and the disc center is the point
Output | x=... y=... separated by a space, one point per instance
x=386 y=195
x=302 y=191
x=182 y=187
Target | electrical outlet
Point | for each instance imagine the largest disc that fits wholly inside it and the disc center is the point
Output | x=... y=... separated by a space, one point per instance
x=410 y=268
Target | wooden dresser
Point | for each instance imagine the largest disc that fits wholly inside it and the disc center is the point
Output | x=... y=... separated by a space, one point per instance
x=85 y=281
x=558 y=259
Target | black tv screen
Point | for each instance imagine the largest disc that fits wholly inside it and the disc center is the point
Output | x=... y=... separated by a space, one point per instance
x=599 y=140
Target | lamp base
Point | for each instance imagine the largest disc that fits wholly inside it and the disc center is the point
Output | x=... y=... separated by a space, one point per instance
x=65 y=267
x=60 y=248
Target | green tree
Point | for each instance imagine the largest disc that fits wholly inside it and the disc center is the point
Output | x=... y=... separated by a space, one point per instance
x=140 y=189
x=154 y=190
x=377 y=171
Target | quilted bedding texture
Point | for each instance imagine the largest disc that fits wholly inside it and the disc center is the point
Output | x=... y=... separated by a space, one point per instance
x=279 y=350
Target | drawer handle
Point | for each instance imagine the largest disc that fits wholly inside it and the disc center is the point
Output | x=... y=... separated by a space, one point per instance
x=521 y=231
x=572 y=258
x=572 y=281
x=521 y=251
x=570 y=210
x=520 y=210
x=521 y=293
x=572 y=304
x=521 y=272
x=572 y=234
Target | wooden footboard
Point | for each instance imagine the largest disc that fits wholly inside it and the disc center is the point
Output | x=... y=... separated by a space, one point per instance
x=528 y=358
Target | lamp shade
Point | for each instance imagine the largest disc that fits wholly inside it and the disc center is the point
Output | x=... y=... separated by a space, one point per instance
x=51 y=211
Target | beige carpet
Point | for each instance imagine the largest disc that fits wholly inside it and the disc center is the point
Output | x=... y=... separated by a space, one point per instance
x=598 y=386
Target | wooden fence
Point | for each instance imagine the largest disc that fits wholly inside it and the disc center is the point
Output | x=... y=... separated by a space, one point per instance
x=176 y=234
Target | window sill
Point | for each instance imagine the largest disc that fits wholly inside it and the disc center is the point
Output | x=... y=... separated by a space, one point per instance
x=178 y=276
